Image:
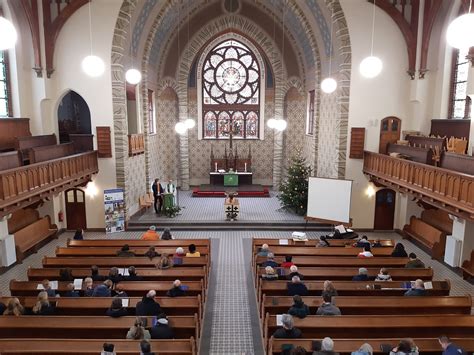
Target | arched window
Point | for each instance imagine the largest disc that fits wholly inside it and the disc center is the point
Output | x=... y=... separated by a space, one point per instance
x=231 y=92
x=5 y=93
x=460 y=104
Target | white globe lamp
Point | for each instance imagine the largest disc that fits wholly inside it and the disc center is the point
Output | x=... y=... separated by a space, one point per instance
x=93 y=66
x=460 y=33
x=370 y=67
x=8 y=35
x=180 y=128
x=271 y=123
x=190 y=123
x=280 y=125
x=133 y=76
x=329 y=85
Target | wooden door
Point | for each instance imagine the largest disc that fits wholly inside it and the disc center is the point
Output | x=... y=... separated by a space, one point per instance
x=384 y=209
x=75 y=209
x=389 y=132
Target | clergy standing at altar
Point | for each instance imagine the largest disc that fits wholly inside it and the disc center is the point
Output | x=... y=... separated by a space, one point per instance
x=170 y=188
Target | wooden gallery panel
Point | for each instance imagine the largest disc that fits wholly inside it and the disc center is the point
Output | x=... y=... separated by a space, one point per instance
x=357 y=143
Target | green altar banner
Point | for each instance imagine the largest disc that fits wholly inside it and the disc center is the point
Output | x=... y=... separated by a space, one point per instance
x=168 y=200
x=231 y=179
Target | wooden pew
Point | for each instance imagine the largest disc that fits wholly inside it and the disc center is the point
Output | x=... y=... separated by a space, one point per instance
x=334 y=251
x=9 y=160
x=431 y=237
x=428 y=346
x=351 y=288
x=50 y=152
x=111 y=251
x=377 y=326
x=96 y=306
x=437 y=145
x=116 y=261
x=11 y=128
x=438 y=219
x=132 y=288
x=135 y=243
x=458 y=162
x=30 y=237
x=340 y=261
x=313 y=242
x=346 y=273
x=25 y=143
x=88 y=327
x=91 y=346
x=468 y=267
x=354 y=305
x=420 y=155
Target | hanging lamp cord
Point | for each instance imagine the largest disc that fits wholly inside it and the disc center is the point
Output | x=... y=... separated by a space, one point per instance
x=373 y=31
x=90 y=25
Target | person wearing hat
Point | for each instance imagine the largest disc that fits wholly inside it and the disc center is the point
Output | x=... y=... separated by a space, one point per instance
x=362 y=276
x=151 y=234
x=162 y=330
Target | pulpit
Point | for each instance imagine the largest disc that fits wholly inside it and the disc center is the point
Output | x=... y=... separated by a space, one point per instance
x=231 y=207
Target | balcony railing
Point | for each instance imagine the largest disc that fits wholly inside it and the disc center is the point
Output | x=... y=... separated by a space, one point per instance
x=136 y=144
x=447 y=189
x=24 y=185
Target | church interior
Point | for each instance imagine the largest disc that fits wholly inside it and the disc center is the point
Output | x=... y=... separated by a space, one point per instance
x=122 y=121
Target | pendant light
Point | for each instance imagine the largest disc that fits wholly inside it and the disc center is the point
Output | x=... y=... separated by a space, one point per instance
x=329 y=85
x=460 y=33
x=133 y=76
x=8 y=35
x=371 y=66
x=92 y=65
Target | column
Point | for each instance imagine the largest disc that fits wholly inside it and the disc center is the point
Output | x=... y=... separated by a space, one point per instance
x=464 y=230
x=7 y=244
x=405 y=208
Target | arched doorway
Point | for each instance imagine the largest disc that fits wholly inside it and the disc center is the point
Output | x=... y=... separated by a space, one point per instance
x=389 y=132
x=384 y=209
x=75 y=209
x=74 y=116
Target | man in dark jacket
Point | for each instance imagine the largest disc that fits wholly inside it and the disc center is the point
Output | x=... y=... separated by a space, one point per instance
x=296 y=287
x=132 y=275
x=299 y=309
x=414 y=262
x=270 y=261
x=450 y=348
x=148 y=306
x=327 y=308
x=162 y=330
x=176 y=290
x=95 y=274
x=287 y=330
x=157 y=194
x=125 y=252
x=417 y=290
x=145 y=348
x=362 y=276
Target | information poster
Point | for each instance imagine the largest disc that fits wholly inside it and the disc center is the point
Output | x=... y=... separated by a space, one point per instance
x=114 y=210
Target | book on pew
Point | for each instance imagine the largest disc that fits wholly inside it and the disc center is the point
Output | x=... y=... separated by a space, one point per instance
x=125 y=302
x=428 y=285
x=54 y=285
x=279 y=319
x=124 y=272
x=78 y=284
x=283 y=241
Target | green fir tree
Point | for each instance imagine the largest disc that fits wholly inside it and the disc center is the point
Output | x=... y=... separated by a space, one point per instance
x=293 y=194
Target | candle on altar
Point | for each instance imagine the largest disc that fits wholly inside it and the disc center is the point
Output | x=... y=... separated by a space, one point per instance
x=215 y=166
x=245 y=166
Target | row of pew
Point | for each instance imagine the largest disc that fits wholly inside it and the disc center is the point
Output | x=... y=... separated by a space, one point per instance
x=376 y=312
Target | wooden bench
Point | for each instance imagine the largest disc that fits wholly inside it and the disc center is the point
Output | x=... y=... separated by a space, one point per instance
x=135 y=243
x=25 y=143
x=50 y=152
x=96 y=306
x=347 y=346
x=30 y=237
x=91 y=346
x=432 y=238
x=354 y=305
x=438 y=219
x=88 y=327
x=340 y=261
x=9 y=160
x=11 y=128
x=419 y=155
x=313 y=242
x=351 y=288
x=468 y=267
x=132 y=288
x=111 y=251
x=458 y=162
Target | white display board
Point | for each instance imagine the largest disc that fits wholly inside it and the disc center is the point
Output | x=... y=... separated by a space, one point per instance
x=329 y=199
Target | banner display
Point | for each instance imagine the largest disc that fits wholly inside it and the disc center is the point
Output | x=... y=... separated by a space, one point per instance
x=114 y=210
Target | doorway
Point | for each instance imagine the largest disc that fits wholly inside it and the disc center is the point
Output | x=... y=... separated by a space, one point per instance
x=389 y=132
x=384 y=209
x=75 y=209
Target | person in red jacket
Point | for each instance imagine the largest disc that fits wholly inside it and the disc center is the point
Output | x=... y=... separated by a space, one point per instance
x=288 y=263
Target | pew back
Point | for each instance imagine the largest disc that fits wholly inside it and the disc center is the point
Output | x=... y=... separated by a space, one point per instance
x=50 y=152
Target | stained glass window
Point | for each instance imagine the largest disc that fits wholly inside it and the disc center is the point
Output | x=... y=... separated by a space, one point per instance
x=231 y=92
x=460 y=105
x=5 y=98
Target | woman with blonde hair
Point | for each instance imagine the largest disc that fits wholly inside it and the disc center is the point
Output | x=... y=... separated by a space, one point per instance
x=165 y=262
x=42 y=306
x=14 y=308
x=329 y=288
x=270 y=274
x=137 y=331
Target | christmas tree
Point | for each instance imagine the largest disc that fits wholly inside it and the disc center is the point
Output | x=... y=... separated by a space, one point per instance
x=293 y=194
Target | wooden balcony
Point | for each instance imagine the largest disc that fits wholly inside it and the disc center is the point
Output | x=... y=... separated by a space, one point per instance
x=136 y=144
x=24 y=185
x=446 y=189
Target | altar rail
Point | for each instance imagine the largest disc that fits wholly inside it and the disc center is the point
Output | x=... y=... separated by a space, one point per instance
x=447 y=189
x=23 y=185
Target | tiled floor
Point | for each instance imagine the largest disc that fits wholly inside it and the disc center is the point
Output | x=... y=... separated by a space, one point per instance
x=230 y=324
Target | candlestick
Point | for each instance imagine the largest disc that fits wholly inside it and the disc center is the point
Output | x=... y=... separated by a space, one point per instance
x=215 y=167
x=245 y=167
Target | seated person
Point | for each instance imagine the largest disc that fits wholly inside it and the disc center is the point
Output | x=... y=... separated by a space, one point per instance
x=327 y=347
x=165 y=262
x=179 y=253
x=329 y=288
x=119 y=292
x=116 y=309
x=399 y=251
x=161 y=330
x=376 y=244
x=78 y=235
x=42 y=306
x=417 y=290
x=108 y=349
x=323 y=242
x=449 y=348
x=288 y=262
x=103 y=290
x=362 y=276
x=166 y=235
x=192 y=252
x=14 y=308
x=145 y=348
x=88 y=287
x=294 y=272
x=148 y=306
x=138 y=331
x=71 y=292
x=365 y=349
x=366 y=253
x=95 y=274
x=270 y=274
x=287 y=330
x=47 y=288
x=263 y=250
x=65 y=274
x=132 y=275
x=270 y=261
x=414 y=262
x=327 y=308
x=125 y=252
x=362 y=242
x=176 y=290
x=405 y=347
x=298 y=309
x=114 y=275
x=383 y=275
x=151 y=253
x=296 y=287
x=150 y=234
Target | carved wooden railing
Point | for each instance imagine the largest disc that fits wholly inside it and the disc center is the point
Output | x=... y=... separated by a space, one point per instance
x=23 y=185
x=448 y=189
x=136 y=144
